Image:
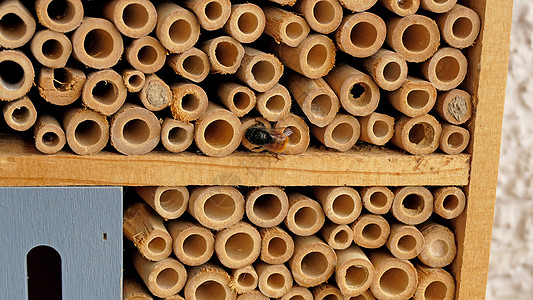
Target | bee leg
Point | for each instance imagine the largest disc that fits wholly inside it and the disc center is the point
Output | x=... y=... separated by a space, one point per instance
x=274 y=154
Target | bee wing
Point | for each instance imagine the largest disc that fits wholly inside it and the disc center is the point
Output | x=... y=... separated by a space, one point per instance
x=288 y=131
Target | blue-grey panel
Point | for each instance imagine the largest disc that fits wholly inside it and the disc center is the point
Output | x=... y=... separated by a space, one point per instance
x=73 y=221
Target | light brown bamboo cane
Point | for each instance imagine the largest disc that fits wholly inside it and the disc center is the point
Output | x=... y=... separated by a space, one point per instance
x=274 y=280
x=207 y=280
x=247 y=122
x=216 y=207
x=238 y=246
x=370 y=231
x=416 y=97
x=450 y=202
x=134 y=290
x=253 y=295
x=177 y=28
x=388 y=69
x=51 y=49
x=418 y=136
x=416 y=38
x=305 y=216
x=20 y=114
x=238 y=98
x=193 y=244
x=104 y=91
x=299 y=137
x=244 y=280
x=361 y=34
x=342 y=205
x=395 y=278
x=192 y=64
x=16 y=75
x=376 y=128
x=259 y=70
x=446 y=69
x=437 y=6
x=354 y=272
x=277 y=246
x=402 y=8
x=454 y=106
x=341 y=134
x=163 y=278
x=211 y=14
x=96 y=43
x=313 y=261
x=454 y=139
x=134 y=130
x=61 y=86
x=297 y=293
x=189 y=101
x=225 y=54
x=459 y=27
x=434 y=284
x=17 y=26
x=134 y=80
x=168 y=202
x=412 y=205
x=146 y=54
x=285 y=26
x=323 y=16
x=87 y=131
x=338 y=237
x=174 y=297
x=439 y=248
x=146 y=230
x=326 y=292
x=246 y=22
x=274 y=104
x=176 y=136
x=284 y=2
x=377 y=199
x=266 y=206
x=405 y=241
x=49 y=136
x=60 y=16
x=133 y=19
x=155 y=95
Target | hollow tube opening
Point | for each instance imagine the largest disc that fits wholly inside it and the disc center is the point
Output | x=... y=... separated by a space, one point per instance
x=436 y=290
x=62 y=79
x=239 y=246
x=380 y=129
x=321 y=105
x=276 y=281
x=167 y=278
x=275 y=104
x=450 y=202
x=248 y=23
x=194 y=65
x=157 y=245
x=277 y=247
x=210 y=290
x=305 y=217
x=363 y=35
x=416 y=38
x=50 y=139
x=342 y=133
x=88 y=133
x=177 y=135
x=213 y=10
x=61 y=11
x=98 y=43
x=447 y=69
x=11 y=75
x=314 y=264
x=394 y=281
x=135 y=16
x=455 y=140
x=294 y=30
x=12 y=27
x=267 y=207
x=105 y=92
x=343 y=205
x=324 y=12
x=421 y=134
x=180 y=31
x=20 y=115
x=371 y=232
x=417 y=99
x=317 y=56
x=241 y=100
x=226 y=54
x=341 y=237
x=462 y=28
x=263 y=72
x=392 y=71
x=52 y=49
x=171 y=200
x=219 y=134
x=413 y=204
x=356 y=276
x=136 y=131
x=245 y=280
x=147 y=55
x=194 y=246
x=406 y=243
x=219 y=207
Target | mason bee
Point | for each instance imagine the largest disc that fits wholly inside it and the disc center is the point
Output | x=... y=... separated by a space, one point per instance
x=273 y=141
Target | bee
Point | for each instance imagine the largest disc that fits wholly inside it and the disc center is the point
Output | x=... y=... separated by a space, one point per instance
x=273 y=141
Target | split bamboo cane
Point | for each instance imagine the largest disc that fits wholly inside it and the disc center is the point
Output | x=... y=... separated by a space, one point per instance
x=61 y=86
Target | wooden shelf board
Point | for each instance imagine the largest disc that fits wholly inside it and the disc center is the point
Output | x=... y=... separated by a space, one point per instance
x=22 y=165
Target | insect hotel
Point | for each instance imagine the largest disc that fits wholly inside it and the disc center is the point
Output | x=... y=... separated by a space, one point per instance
x=287 y=149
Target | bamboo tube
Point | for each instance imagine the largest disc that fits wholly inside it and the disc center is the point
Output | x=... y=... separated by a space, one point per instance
x=341 y=134
x=416 y=38
x=367 y=295
x=450 y=202
x=342 y=205
x=238 y=246
x=326 y=292
x=370 y=231
x=277 y=246
x=51 y=49
x=284 y=2
x=338 y=237
x=208 y=280
x=239 y=99
x=16 y=75
x=133 y=19
x=193 y=244
x=177 y=28
x=175 y=297
x=134 y=80
x=87 y=131
x=285 y=26
x=377 y=199
x=49 y=136
x=454 y=106
x=146 y=54
x=266 y=206
x=17 y=26
x=354 y=272
x=246 y=22
x=313 y=58
x=274 y=104
x=454 y=139
x=134 y=290
x=20 y=114
x=225 y=54
x=61 y=86
x=104 y=91
x=253 y=295
x=376 y=128
x=189 y=101
x=299 y=137
x=412 y=205
x=97 y=44
x=192 y=64
x=437 y=6
x=163 y=278
x=361 y=34
x=247 y=122
x=317 y=100
x=211 y=14
x=439 y=249
x=313 y=261
x=216 y=207
x=405 y=241
x=244 y=280
x=305 y=216
x=176 y=136
x=218 y=132
x=169 y=202
x=459 y=27
x=446 y=70
x=418 y=136
x=388 y=69
x=358 y=93
x=259 y=70
x=60 y=16
x=155 y=95
x=395 y=278
x=274 y=280
x=416 y=97
x=323 y=16
x=146 y=230
x=134 y=130
x=297 y=293
x=402 y=8
x=434 y=284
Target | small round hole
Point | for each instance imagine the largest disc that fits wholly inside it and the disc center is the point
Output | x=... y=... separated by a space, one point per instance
x=219 y=207
x=11 y=75
x=450 y=202
x=296 y=136
x=135 y=81
x=277 y=247
x=213 y=10
x=394 y=281
x=380 y=129
x=417 y=99
x=447 y=69
x=371 y=232
x=363 y=35
x=317 y=55
x=190 y=102
x=135 y=16
x=171 y=200
x=246 y=279
x=436 y=291
x=378 y=199
x=147 y=55
x=341 y=237
x=239 y=246
x=356 y=276
x=275 y=104
x=180 y=31
x=294 y=30
x=194 y=65
x=276 y=281
x=421 y=134
x=413 y=204
x=343 y=205
x=50 y=139
x=52 y=49
x=406 y=243
x=177 y=136
x=392 y=71
x=462 y=28
x=20 y=115
x=455 y=140
x=241 y=100
x=263 y=72
x=157 y=245
x=105 y=92
x=226 y=54
x=248 y=23
x=194 y=246
x=88 y=133
x=167 y=278
x=12 y=27
x=416 y=38
x=342 y=133
x=136 y=131
x=98 y=43
x=219 y=134
x=61 y=11
x=324 y=12
x=305 y=217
